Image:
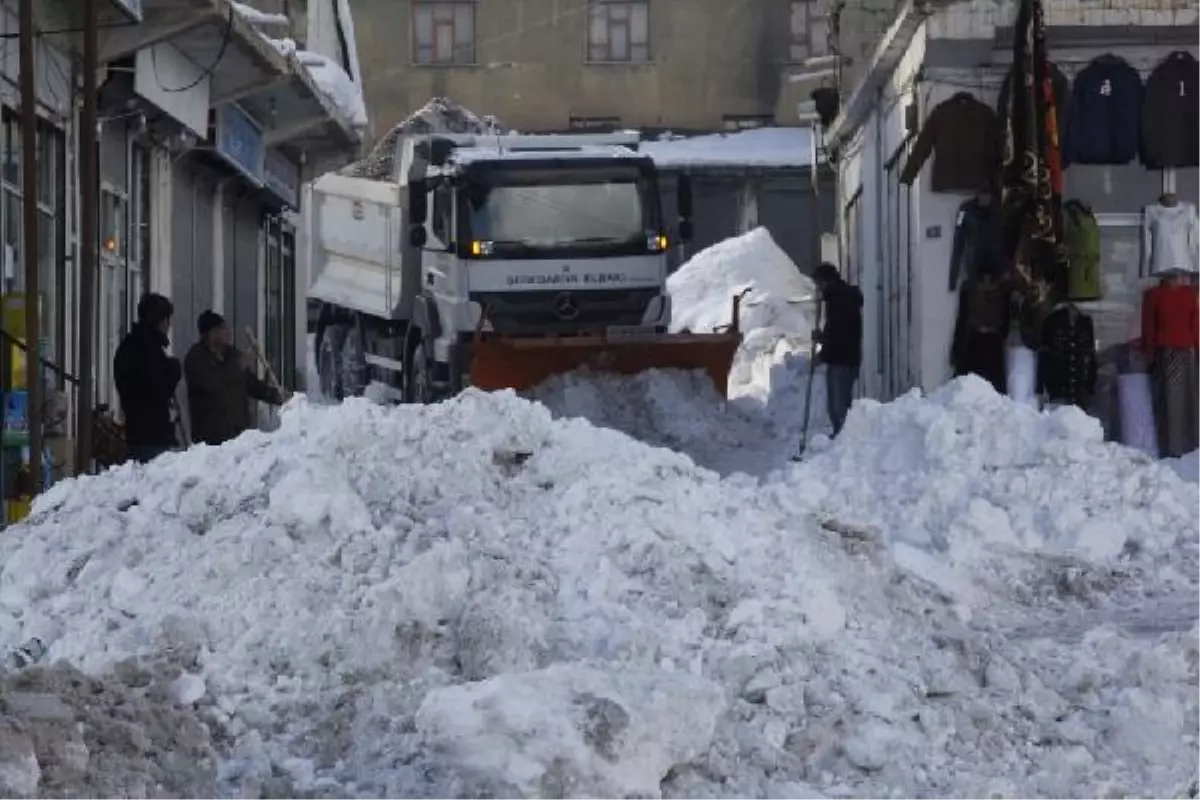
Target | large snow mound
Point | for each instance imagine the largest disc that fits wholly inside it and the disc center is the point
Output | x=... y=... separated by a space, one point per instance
x=476 y=599
x=781 y=298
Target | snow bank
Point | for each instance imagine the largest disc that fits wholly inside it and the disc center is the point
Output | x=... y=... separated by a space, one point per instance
x=475 y=599
x=760 y=147
x=1186 y=466
x=960 y=481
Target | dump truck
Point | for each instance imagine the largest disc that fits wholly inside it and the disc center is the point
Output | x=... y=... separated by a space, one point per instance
x=497 y=261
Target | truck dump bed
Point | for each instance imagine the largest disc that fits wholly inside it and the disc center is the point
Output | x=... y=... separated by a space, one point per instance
x=356 y=245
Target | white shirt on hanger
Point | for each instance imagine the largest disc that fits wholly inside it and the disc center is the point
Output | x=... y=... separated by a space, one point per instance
x=1170 y=238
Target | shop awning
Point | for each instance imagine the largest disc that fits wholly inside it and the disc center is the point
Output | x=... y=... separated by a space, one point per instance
x=243 y=67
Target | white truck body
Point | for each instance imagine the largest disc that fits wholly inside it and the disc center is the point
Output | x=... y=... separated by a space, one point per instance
x=592 y=198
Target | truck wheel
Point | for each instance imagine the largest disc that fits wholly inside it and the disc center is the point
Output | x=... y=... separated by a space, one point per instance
x=352 y=360
x=329 y=366
x=418 y=383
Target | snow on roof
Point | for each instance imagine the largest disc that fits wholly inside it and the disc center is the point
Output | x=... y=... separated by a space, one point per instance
x=759 y=147
x=256 y=17
x=467 y=155
x=330 y=79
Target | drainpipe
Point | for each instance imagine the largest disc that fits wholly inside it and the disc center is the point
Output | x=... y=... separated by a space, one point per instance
x=880 y=287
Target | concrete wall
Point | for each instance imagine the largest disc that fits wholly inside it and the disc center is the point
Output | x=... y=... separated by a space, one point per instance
x=709 y=58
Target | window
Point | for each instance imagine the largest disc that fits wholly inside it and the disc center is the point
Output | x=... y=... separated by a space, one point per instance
x=443 y=31
x=597 y=124
x=443 y=215
x=279 y=328
x=810 y=30
x=743 y=122
x=619 y=31
x=555 y=215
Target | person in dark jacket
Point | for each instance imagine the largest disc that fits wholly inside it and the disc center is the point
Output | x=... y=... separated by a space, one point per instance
x=221 y=383
x=1171 y=114
x=1105 y=121
x=841 y=341
x=146 y=379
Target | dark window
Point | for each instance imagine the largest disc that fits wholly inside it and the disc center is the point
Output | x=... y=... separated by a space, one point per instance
x=443 y=214
x=597 y=124
x=810 y=30
x=443 y=32
x=619 y=31
x=742 y=122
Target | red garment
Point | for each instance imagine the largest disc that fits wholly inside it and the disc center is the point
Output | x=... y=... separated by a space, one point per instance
x=1171 y=317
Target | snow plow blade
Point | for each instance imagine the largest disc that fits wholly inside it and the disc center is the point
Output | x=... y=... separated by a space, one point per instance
x=523 y=363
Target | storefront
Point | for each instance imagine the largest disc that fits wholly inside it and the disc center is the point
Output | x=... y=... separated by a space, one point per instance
x=901 y=211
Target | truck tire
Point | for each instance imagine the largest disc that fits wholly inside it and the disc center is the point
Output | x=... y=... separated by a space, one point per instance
x=418 y=377
x=329 y=362
x=354 y=374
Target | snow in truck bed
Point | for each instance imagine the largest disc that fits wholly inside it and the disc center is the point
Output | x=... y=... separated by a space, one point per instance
x=474 y=598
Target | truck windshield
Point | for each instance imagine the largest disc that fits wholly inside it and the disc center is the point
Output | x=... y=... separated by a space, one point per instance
x=562 y=215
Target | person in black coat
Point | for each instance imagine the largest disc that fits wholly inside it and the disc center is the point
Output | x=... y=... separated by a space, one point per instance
x=841 y=341
x=146 y=379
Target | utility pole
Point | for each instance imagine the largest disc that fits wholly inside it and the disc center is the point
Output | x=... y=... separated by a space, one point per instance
x=89 y=183
x=29 y=247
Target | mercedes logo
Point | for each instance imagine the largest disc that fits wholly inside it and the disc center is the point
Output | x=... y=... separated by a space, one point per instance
x=565 y=306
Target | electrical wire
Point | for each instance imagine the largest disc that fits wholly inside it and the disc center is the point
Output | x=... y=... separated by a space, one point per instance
x=208 y=71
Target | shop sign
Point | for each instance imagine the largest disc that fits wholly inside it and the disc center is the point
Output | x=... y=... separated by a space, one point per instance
x=130 y=8
x=240 y=141
x=282 y=176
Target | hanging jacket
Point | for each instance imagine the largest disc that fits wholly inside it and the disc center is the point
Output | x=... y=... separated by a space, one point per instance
x=1082 y=238
x=1067 y=361
x=1170 y=318
x=978 y=243
x=962 y=136
x=1170 y=238
x=1062 y=99
x=1170 y=114
x=1104 y=125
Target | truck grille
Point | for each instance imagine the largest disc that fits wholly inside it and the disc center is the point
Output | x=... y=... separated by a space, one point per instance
x=564 y=311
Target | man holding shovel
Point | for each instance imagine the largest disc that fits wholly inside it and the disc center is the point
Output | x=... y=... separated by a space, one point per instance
x=221 y=381
x=841 y=341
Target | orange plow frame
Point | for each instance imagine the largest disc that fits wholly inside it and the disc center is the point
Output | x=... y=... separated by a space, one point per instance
x=499 y=362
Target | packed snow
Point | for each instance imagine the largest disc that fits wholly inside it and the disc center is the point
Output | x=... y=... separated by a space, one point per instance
x=760 y=428
x=959 y=597
x=331 y=80
x=256 y=17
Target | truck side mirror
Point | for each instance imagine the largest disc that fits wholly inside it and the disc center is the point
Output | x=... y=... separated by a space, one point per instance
x=418 y=202
x=417 y=236
x=683 y=194
x=686 y=231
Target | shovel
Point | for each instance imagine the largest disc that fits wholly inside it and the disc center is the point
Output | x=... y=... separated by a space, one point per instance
x=812 y=371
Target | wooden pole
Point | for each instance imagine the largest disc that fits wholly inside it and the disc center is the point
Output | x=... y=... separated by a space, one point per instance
x=89 y=185
x=29 y=247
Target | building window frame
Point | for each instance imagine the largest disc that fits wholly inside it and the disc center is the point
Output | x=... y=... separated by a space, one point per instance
x=430 y=20
x=746 y=122
x=809 y=30
x=279 y=307
x=618 y=32
x=51 y=204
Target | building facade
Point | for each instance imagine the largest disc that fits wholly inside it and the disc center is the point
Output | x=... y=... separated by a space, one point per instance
x=552 y=65
x=207 y=127
x=896 y=239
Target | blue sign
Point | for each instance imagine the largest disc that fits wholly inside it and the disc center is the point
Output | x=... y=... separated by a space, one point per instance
x=240 y=141
x=282 y=177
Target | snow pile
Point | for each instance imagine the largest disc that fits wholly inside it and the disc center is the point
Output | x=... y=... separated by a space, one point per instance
x=966 y=478
x=1186 y=466
x=759 y=147
x=335 y=84
x=475 y=599
x=439 y=115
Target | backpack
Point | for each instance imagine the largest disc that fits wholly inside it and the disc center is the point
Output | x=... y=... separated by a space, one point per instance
x=1081 y=235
